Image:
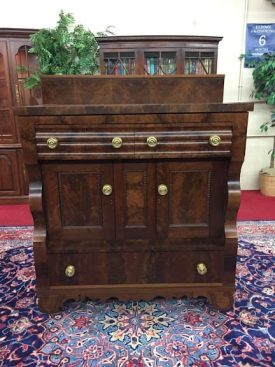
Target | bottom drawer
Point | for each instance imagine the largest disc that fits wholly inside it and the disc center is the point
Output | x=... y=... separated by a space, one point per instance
x=136 y=267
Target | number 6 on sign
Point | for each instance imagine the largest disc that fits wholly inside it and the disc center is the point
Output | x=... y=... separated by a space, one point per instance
x=262 y=40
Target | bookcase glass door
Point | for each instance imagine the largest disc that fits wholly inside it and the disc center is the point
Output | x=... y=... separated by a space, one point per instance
x=25 y=66
x=120 y=63
x=197 y=62
x=4 y=99
x=160 y=63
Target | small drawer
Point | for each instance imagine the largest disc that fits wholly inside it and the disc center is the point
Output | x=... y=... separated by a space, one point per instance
x=84 y=144
x=186 y=143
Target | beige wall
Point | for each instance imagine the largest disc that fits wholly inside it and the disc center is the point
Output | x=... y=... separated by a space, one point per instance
x=258 y=144
x=226 y=18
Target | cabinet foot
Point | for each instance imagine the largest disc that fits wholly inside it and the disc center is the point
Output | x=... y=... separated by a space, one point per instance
x=222 y=300
x=50 y=303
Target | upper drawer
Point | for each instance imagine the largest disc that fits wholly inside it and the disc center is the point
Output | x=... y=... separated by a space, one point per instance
x=173 y=143
x=144 y=142
x=84 y=144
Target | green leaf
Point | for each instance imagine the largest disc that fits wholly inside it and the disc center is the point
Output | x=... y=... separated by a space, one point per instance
x=65 y=49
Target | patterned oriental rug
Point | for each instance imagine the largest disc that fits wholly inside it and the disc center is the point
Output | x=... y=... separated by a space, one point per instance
x=160 y=333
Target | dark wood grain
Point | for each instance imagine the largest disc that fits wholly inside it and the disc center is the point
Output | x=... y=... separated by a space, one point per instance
x=79 y=89
x=134 y=243
x=14 y=44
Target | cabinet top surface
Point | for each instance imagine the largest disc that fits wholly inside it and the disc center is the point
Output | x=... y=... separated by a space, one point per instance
x=158 y=38
x=46 y=110
x=16 y=32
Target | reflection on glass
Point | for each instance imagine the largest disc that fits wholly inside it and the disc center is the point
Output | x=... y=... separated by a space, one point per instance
x=160 y=63
x=25 y=65
x=198 y=63
x=120 y=63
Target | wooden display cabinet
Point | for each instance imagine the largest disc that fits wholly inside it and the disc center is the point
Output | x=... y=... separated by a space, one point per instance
x=158 y=55
x=120 y=55
x=14 y=46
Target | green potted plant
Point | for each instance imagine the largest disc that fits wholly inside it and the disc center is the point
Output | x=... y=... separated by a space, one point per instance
x=65 y=49
x=264 y=89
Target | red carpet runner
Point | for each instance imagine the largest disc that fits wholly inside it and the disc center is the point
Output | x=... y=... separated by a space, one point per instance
x=255 y=206
x=15 y=215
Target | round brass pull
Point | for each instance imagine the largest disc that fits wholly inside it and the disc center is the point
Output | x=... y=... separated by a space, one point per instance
x=117 y=142
x=52 y=143
x=107 y=190
x=152 y=141
x=201 y=269
x=215 y=140
x=70 y=271
x=162 y=189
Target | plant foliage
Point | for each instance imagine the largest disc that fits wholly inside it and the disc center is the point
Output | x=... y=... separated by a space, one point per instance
x=264 y=89
x=264 y=84
x=264 y=79
x=65 y=49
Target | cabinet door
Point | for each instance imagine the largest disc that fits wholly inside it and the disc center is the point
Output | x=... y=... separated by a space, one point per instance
x=22 y=65
x=135 y=200
x=194 y=204
x=9 y=172
x=7 y=126
x=76 y=208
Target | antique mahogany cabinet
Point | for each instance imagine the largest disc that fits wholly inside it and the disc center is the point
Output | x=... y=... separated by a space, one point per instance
x=134 y=187
x=14 y=46
x=118 y=55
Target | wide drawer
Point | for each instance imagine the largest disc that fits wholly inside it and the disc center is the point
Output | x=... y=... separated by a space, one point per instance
x=187 y=142
x=78 y=143
x=154 y=142
x=136 y=267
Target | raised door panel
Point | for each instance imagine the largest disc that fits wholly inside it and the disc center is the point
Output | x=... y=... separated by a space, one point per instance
x=194 y=205
x=76 y=207
x=7 y=127
x=9 y=173
x=135 y=200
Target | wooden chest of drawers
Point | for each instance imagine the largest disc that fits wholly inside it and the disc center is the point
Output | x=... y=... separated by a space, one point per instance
x=134 y=201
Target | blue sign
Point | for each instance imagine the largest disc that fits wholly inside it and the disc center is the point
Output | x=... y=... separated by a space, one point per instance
x=260 y=39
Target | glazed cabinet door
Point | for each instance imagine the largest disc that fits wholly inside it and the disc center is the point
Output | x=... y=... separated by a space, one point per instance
x=135 y=200
x=191 y=200
x=7 y=126
x=22 y=65
x=81 y=205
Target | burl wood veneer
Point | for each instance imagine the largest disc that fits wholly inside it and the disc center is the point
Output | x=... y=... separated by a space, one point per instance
x=135 y=200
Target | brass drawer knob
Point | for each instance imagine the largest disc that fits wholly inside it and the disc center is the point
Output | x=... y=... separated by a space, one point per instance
x=215 y=140
x=152 y=141
x=162 y=189
x=201 y=269
x=117 y=142
x=52 y=143
x=107 y=190
x=70 y=271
